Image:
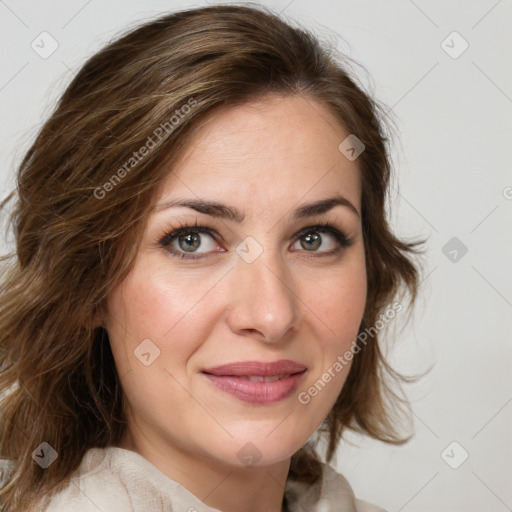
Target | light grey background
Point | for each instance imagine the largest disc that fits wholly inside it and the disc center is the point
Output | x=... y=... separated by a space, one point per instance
x=453 y=166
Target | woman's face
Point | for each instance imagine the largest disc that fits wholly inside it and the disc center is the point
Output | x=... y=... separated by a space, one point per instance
x=250 y=282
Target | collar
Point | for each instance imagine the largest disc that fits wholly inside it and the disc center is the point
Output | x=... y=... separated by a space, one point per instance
x=333 y=494
x=114 y=478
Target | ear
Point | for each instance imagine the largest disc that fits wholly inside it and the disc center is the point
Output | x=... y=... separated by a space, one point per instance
x=97 y=320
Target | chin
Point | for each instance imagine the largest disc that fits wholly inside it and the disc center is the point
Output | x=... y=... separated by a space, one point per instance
x=258 y=450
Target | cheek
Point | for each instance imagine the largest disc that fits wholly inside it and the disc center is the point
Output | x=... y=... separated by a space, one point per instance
x=338 y=307
x=340 y=301
x=153 y=304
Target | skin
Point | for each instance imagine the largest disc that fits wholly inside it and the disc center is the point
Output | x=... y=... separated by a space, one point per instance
x=293 y=301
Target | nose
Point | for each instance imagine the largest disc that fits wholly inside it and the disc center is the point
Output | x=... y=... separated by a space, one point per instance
x=263 y=303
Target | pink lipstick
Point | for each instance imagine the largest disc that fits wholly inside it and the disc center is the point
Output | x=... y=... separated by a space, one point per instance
x=257 y=382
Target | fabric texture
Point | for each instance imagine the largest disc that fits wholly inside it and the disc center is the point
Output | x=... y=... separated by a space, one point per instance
x=114 y=479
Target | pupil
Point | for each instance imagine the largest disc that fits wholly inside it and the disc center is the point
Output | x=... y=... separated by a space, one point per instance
x=315 y=239
x=192 y=241
x=190 y=238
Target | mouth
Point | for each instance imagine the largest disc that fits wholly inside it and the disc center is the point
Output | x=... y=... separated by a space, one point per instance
x=261 y=378
x=283 y=367
x=257 y=382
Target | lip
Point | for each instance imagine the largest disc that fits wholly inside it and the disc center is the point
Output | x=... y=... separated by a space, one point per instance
x=233 y=379
x=257 y=368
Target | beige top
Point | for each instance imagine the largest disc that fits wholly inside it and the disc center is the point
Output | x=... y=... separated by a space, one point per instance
x=118 y=480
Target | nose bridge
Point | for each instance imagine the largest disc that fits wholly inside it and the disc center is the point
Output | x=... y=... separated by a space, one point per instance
x=263 y=294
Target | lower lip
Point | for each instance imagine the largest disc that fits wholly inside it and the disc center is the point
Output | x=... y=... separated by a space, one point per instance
x=257 y=392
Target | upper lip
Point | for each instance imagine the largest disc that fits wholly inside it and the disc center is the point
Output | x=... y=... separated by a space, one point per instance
x=257 y=368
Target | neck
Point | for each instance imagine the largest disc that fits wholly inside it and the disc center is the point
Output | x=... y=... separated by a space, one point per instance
x=220 y=486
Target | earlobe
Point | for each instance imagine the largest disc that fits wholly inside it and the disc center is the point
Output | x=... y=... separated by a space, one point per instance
x=97 y=320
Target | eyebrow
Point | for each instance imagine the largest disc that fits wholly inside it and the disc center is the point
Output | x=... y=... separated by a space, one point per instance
x=223 y=211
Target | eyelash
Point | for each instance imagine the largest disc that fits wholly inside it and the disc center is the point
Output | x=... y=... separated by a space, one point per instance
x=169 y=237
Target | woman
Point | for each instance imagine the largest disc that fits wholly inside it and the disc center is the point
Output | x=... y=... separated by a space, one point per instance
x=203 y=263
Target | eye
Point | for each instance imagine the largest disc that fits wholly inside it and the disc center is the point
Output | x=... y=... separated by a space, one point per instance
x=323 y=236
x=186 y=241
x=196 y=242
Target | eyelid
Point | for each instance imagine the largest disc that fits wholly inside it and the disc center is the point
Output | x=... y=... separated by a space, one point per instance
x=174 y=233
x=170 y=235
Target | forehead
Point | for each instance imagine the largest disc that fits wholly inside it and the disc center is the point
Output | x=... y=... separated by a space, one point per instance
x=273 y=151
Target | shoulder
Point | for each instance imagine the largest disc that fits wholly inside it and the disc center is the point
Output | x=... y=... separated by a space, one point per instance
x=114 y=479
x=332 y=494
x=91 y=487
x=335 y=483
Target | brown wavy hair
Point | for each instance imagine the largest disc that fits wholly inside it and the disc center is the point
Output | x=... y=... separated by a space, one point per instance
x=74 y=242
